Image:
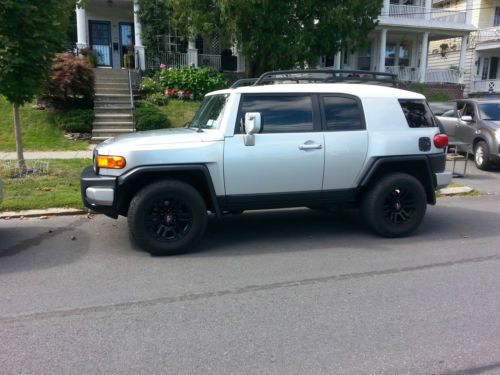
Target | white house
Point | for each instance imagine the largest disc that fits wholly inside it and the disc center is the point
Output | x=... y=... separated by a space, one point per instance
x=399 y=44
x=482 y=69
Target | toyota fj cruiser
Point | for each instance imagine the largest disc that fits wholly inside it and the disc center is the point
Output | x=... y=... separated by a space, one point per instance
x=267 y=145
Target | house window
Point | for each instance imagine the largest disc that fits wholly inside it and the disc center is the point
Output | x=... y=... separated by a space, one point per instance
x=364 y=58
x=174 y=43
x=390 y=54
x=496 y=19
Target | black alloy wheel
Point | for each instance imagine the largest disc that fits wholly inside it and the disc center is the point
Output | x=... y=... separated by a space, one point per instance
x=167 y=217
x=395 y=205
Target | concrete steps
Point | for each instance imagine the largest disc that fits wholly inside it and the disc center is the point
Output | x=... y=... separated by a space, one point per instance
x=112 y=107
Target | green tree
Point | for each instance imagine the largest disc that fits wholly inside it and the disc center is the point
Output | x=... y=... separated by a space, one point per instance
x=31 y=32
x=154 y=17
x=279 y=34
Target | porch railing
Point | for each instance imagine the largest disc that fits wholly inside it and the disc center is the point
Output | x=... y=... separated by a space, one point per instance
x=489 y=85
x=420 y=13
x=212 y=61
x=405 y=73
x=442 y=76
x=410 y=74
x=170 y=59
x=490 y=34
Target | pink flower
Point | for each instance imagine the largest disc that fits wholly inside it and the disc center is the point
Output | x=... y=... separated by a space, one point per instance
x=162 y=66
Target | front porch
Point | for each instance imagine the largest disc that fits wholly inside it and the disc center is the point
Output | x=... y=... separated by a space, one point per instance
x=403 y=52
x=112 y=30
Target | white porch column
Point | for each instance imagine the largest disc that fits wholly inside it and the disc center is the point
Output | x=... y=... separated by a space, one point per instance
x=423 y=56
x=468 y=12
x=381 y=56
x=428 y=9
x=385 y=9
x=463 y=53
x=192 y=54
x=337 y=59
x=396 y=54
x=81 y=28
x=414 y=53
x=140 y=54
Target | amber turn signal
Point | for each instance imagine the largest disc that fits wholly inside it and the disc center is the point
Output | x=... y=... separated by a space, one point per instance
x=111 y=162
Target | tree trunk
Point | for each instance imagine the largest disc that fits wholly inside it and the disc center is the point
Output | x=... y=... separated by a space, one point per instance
x=19 y=141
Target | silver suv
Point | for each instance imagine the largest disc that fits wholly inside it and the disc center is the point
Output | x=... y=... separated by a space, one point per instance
x=272 y=146
x=475 y=122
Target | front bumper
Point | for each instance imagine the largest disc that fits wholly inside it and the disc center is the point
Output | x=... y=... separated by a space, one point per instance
x=98 y=192
x=443 y=179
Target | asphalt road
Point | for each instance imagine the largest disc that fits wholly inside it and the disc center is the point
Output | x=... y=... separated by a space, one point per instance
x=283 y=292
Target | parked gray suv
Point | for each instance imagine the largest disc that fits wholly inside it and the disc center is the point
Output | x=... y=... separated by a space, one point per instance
x=475 y=122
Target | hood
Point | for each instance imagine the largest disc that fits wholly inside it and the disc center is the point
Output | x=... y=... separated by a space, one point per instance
x=162 y=137
x=495 y=125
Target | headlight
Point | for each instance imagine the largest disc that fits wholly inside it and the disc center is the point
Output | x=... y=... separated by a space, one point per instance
x=110 y=162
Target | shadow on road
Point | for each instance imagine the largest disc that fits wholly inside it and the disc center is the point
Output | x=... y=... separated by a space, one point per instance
x=303 y=229
x=30 y=247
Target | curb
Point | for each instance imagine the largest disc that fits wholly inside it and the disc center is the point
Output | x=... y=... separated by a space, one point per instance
x=7 y=215
x=455 y=190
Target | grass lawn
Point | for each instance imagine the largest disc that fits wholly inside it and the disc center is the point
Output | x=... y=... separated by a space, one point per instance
x=39 y=131
x=179 y=111
x=59 y=188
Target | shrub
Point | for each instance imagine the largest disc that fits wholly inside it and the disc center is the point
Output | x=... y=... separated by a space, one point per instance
x=74 y=121
x=71 y=83
x=158 y=99
x=149 y=117
x=151 y=86
x=193 y=83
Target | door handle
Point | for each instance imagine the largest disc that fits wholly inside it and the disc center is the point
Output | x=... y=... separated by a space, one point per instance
x=310 y=146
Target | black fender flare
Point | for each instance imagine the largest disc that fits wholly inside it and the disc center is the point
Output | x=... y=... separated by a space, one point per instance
x=139 y=172
x=384 y=161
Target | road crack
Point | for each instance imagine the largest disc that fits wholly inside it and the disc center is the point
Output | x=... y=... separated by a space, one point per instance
x=236 y=291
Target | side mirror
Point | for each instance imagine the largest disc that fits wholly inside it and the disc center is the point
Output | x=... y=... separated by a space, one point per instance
x=252 y=126
x=466 y=118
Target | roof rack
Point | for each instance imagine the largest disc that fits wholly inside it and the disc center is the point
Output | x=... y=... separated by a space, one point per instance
x=244 y=82
x=320 y=76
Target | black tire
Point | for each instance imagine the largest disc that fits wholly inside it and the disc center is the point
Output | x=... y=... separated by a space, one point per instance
x=395 y=205
x=482 y=155
x=167 y=217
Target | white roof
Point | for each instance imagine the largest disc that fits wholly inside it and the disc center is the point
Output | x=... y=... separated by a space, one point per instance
x=360 y=90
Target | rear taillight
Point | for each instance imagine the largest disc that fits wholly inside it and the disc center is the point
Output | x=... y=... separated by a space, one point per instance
x=441 y=140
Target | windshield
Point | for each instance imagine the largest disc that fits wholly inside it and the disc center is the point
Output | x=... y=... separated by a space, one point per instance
x=209 y=114
x=489 y=111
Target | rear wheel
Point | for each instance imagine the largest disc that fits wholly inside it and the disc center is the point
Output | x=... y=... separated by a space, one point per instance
x=167 y=218
x=395 y=205
x=481 y=155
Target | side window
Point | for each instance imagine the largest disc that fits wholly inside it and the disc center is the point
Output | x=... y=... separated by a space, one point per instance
x=279 y=113
x=468 y=110
x=417 y=113
x=342 y=113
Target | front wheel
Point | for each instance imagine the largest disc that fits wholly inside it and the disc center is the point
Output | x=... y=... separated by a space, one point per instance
x=167 y=218
x=395 y=205
x=482 y=155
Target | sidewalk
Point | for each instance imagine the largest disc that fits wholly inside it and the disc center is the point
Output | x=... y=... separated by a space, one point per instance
x=48 y=155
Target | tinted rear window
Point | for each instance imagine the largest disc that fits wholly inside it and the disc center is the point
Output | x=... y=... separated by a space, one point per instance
x=417 y=113
x=342 y=113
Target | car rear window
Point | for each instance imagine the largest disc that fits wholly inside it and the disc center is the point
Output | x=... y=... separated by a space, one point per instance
x=417 y=113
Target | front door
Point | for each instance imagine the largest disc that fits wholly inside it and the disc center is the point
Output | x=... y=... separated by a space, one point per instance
x=100 y=41
x=127 y=45
x=288 y=155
